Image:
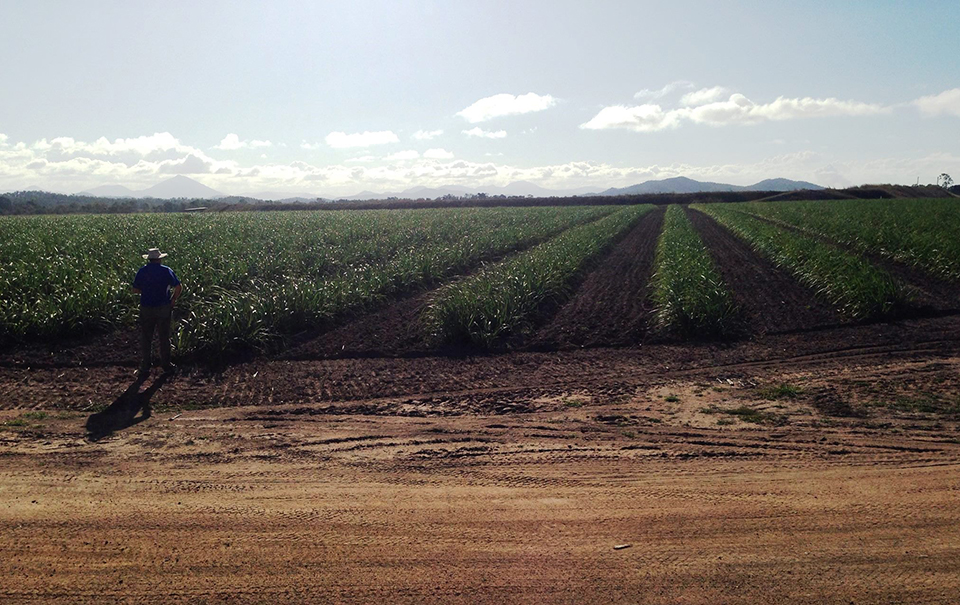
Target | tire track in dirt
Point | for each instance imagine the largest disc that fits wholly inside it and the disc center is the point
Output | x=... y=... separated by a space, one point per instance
x=770 y=299
x=526 y=530
x=486 y=384
x=612 y=305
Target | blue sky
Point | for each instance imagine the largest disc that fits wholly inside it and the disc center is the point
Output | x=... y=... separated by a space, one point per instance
x=334 y=98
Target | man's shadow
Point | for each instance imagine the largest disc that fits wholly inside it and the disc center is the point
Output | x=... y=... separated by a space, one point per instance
x=122 y=413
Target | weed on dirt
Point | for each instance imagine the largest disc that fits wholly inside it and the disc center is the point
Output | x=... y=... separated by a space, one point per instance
x=747 y=414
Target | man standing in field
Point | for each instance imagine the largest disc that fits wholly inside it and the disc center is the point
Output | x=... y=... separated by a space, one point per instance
x=159 y=288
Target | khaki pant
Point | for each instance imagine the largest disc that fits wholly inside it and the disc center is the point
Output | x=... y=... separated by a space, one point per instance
x=154 y=319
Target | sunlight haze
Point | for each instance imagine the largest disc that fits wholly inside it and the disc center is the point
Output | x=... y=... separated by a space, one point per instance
x=330 y=99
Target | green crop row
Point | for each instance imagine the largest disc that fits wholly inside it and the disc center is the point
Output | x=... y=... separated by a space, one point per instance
x=248 y=278
x=858 y=289
x=688 y=292
x=922 y=233
x=506 y=298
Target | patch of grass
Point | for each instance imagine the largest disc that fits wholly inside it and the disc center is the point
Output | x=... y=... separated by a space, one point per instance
x=746 y=414
x=920 y=233
x=780 y=391
x=16 y=422
x=725 y=421
x=671 y=398
x=688 y=291
x=923 y=404
x=34 y=415
x=630 y=434
x=572 y=402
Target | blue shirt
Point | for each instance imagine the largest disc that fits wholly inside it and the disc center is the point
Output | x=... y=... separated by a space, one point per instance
x=155 y=282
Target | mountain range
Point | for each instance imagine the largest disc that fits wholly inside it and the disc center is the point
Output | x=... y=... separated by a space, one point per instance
x=176 y=187
x=185 y=187
x=682 y=184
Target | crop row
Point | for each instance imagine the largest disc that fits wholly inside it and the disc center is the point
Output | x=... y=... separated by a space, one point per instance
x=248 y=277
x=858 y=289
x=688 y=292
x=922 y=233
x=506 y=299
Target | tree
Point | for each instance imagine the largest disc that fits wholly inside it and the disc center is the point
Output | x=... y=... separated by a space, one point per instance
x=6 y=206
x=944 y=180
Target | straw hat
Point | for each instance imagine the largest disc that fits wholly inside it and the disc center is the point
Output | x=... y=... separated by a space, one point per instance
x=154 y=254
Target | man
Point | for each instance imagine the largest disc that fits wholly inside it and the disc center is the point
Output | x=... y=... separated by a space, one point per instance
x=159 y=290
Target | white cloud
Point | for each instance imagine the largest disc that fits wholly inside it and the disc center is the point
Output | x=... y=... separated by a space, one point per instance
x=48 y=165
x=505 y=105
x=738 y=109
x=192 y=164
x=945 y=103
x=486 y=134
x=403 y=156
x=437 y=154
x=342 y=140
x=703 y=96
x=156 y=146
x=646 y=93
x=642 y=118
x=232 y=142
x=427 y=135
x=3 y=139
x=310 y=146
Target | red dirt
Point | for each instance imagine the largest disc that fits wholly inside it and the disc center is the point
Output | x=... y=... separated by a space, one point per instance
x=612 y=306
x=392 y=331
x=420 y=385
x=116 y=348
x=770 y=299
x=514 y=493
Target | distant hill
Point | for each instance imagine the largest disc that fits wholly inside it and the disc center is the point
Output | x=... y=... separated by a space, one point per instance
x=110 y=191
x=782 y=185
x=284 y=196
x=515 y=189
x=173 y=188
x=177 y=187
x=682 y=184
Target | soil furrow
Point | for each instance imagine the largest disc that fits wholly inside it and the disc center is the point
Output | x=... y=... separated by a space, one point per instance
x=770 y=299
x=489 y=382
x=612 y=305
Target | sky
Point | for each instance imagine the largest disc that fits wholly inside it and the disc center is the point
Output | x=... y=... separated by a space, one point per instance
x=334 y=98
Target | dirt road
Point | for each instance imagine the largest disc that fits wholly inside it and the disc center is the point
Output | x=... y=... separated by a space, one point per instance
x=823 y=482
